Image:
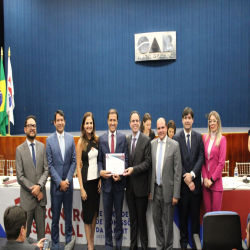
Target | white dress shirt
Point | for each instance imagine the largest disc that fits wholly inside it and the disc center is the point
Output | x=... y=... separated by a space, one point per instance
x=59 y=140
x=132 y=140
x=110 y=137
x=186 y=138
x=30 y=147
x=162 y=154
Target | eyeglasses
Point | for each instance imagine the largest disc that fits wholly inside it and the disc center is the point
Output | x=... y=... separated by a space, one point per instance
x=31 y=126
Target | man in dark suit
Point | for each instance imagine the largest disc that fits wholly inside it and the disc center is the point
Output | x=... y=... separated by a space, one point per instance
x=32 y=173
x=165 y=185
x=61 y=155
x=138 y=181
x=192 y=155
x=112 y=186
x=15 y=223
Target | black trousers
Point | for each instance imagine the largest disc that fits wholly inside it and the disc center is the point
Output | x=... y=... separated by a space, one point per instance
x=189 y=204
x=137 y=212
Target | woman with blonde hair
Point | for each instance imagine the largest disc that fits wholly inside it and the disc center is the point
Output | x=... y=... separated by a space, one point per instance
x=88 y=176
x=146 y=126
x=215 y=145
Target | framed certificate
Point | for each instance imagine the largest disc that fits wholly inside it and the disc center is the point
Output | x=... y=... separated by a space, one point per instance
x=115 y=163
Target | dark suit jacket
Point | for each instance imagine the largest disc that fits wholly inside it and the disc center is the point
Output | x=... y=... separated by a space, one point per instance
x=193 y=162
x=152 y=135
x=28 y=175
x=59 y=169
x=12 y=245
x=139 y=180
x=121 y=147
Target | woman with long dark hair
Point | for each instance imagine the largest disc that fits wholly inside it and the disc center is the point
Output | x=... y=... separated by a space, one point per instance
x=88 y=176
x=146 y=126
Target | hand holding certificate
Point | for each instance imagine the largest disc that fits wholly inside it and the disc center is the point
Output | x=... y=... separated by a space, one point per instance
x=115 y=163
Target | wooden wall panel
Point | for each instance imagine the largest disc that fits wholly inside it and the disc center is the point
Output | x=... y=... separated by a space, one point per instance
x=237 y=150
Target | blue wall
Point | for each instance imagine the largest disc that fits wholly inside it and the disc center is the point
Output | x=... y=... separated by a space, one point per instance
x=78 y=56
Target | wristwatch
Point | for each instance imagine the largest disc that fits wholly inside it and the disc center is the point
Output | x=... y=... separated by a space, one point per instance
x=41 y=188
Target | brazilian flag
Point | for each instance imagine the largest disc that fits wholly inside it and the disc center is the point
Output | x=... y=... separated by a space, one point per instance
x=3 y=114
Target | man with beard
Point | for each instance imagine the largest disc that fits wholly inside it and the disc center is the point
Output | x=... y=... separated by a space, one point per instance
x=32 y=172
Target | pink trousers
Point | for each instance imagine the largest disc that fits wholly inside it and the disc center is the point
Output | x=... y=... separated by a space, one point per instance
x=212 y=200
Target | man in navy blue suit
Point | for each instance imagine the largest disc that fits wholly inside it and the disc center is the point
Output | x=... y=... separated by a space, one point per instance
x=61 y=155
x=192 y=156
x=112 y=186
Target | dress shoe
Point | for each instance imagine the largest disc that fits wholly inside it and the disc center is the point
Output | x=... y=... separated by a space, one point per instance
x=183 y=248
x=133 y=248
x=87 y=246
x=71 y=244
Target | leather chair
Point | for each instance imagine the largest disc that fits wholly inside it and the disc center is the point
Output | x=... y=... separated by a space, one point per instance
x=221 y=231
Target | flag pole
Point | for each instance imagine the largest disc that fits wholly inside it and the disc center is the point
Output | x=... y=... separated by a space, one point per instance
x=7 y=100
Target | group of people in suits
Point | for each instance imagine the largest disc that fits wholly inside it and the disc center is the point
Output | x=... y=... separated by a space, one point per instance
x=165 y=171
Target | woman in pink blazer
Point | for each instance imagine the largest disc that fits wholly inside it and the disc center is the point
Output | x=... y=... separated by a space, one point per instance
x=215 y=153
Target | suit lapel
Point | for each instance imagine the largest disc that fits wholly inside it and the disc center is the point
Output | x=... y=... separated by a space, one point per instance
x=184 y=144
x=28 y=155
x=154 y=148
x=129 y=146
x=193 y=143
x=107 y=141
x=37 y=155
x=57 y=145
x=66 y=141
x=166 y=152
x=212 y=149
x=137 y=144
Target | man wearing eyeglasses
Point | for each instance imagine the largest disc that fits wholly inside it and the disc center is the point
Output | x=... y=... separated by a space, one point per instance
x=32 y=173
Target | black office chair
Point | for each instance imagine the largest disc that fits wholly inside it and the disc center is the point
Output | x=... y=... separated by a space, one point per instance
x=221 y=231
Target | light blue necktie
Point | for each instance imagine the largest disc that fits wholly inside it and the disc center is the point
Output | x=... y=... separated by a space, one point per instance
x=61 y=146
x=188 y=144
x=33 y=154
x=159 y=165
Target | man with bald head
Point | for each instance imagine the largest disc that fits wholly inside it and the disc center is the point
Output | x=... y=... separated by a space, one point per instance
x=165 y=184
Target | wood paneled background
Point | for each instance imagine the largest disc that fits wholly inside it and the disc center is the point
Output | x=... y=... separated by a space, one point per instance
x=237 y=150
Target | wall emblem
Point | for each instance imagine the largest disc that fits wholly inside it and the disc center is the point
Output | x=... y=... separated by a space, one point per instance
x=155 y=46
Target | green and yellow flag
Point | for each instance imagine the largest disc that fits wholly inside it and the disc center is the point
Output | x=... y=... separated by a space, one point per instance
x=3 y=114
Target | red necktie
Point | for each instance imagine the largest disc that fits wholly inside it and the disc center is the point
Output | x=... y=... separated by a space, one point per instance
x=112 y=144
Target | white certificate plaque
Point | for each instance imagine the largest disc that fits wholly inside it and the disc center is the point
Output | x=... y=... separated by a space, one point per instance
x=115 y=163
